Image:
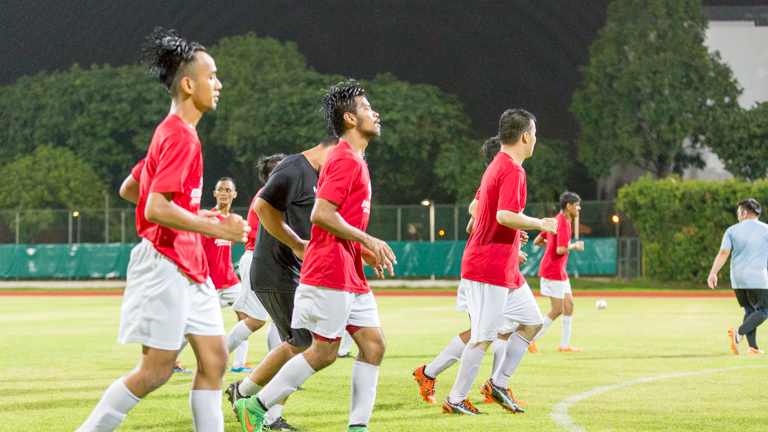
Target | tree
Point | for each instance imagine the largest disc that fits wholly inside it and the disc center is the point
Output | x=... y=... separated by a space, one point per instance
x=745 y=151
x=547 y=171
x=652 y=94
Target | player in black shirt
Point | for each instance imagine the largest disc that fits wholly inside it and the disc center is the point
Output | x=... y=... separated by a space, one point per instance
x=284 y=207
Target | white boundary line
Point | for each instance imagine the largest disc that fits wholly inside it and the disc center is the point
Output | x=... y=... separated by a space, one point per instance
x=560 y=414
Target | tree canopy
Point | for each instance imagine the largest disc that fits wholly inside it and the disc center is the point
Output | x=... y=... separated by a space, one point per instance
x=652 y=94
x=744 y=147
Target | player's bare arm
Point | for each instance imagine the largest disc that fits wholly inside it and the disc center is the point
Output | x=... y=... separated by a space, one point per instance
x=540 y=241
x=520 y=221
x=720 y=260
x=326 y=216
x=163 y=211
x=523 y=238
x=274 y=222
x=562 y=250
x=473 y=208
x=470 y=225
x=129 y=190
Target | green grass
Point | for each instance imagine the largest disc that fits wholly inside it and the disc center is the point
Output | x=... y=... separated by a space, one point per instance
x=59 y=355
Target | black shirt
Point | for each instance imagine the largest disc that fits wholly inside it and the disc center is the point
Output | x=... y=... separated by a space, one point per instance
x=291 y=190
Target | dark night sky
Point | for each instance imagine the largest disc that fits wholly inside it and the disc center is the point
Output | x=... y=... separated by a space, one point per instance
x=492 y=54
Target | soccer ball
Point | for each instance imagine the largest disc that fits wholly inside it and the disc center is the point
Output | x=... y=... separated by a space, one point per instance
x=601 y=304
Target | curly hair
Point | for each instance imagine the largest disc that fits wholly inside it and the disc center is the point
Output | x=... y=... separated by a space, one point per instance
x=165 y=53
x=266 y=164
x=340 y=99
x=491 y=149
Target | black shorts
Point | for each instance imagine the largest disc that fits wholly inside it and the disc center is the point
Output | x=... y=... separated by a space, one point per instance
x=280 y=309
x=754 y=298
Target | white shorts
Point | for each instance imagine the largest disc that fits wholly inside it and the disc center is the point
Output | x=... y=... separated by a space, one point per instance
x=228 y=296
x=327 y=312
x=494 y=309
x=161 y=304
x=555 y=288
x=247 y=302
x=461 y=298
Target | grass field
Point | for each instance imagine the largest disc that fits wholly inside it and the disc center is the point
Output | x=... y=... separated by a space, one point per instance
x=59 y=355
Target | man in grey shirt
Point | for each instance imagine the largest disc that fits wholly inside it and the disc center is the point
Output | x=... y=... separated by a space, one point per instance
x=748 y=240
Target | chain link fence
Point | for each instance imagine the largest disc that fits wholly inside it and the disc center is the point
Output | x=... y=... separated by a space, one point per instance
x=388 y=222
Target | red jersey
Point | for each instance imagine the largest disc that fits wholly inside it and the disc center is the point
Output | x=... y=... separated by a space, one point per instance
x=218 y=252
x=332 y=262
x=492 y=249
x=552 y=265
x=253 y=222
x=174 y=164
x=136 y=171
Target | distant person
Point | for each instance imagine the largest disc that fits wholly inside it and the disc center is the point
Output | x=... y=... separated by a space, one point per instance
x=169 y=294
x=552 y=271
x=748 y=240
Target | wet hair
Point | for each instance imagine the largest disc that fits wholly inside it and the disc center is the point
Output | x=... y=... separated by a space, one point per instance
x=266 y=164
x=751 y=205
x=340 y=99
x=234 y=186
x=167 y=56
x=568 y=198
x=513 y=123
x=329 y=140
x=491 y=149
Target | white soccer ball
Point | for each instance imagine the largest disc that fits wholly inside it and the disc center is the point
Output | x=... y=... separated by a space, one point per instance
x=601 y=304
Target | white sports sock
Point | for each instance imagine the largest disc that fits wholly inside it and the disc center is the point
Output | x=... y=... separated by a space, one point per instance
x=241 y=353
x=273 y=414
x=111 y=409
x=237 y=336
x=184 y=343
x=450 y=355
x=206 y=410
x=364 y=379
x=567 y=321
x=498 y=353
x=273 y=337
x=514 y=351
x=470 y=365
x=547 y=322
x=248 y=388
x=290 y=376
x=346 y=344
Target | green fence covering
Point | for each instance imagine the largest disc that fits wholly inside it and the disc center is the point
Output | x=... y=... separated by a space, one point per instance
x=443 y=258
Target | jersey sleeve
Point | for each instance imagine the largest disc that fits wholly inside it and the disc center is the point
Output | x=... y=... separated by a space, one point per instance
x=337 y=181
x=563 y=234
x=281 y=188
x=477 y=195
x=136 y=170
x=175 y=161
x=726 y=243
x=512 y=191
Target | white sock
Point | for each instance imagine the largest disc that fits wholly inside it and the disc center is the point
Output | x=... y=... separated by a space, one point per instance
x=567 y=321
x=273 y=414
x=290 y=376
x=450 y=355
x=237 y=336
x=547 y=322
x=184 y=343
x=364 y=379
x=346 y=344
x=498 y=353
x=470 y=365
x=273 y=337
x=248 y=388
x=111 y=409
x=514 y=351
x=206 y=410
x=241 y=353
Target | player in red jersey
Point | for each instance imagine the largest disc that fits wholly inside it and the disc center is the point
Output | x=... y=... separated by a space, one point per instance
x=247 y=304
x=333 y=295
x=168 y=293
x=426 y=375
x=495 y=292
x=554 y=278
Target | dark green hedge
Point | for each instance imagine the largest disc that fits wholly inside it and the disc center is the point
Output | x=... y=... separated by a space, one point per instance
x=681 y=223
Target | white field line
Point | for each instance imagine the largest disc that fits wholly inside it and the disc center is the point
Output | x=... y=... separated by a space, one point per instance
x=560 y=414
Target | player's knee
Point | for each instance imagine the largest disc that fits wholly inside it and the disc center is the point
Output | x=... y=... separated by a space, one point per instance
x=557 y=310
x=154 y=378
x=254 y=324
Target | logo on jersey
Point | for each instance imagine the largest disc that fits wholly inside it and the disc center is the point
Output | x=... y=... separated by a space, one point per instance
x=367 y=203
x=220 y=242
x=196 y=194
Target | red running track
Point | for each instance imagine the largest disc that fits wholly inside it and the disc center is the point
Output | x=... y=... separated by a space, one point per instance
x=602 y=294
